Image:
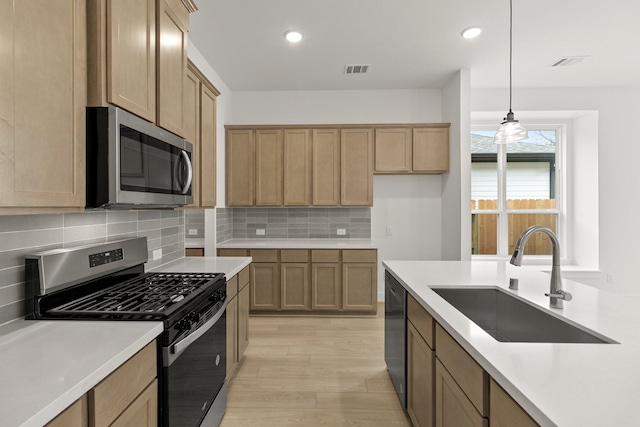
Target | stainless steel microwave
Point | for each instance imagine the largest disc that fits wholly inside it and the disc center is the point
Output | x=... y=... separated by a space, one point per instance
x=132 y=163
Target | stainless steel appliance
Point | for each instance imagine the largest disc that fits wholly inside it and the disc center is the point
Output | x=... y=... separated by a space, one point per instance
x=133 y=163
x=395 y=334
x=107 y=282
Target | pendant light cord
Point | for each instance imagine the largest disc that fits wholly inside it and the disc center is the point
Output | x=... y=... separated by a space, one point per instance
x=510 y=48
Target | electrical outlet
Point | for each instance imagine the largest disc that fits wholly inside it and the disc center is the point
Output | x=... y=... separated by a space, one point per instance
x=260 y=231
x=193 y=232
x=157 y=254
x=341 y=231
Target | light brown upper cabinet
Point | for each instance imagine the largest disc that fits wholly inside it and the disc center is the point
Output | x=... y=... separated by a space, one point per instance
x=393 y=150
x=412 y=150
x=297 y=167
x=356 y=158
x=43 y=81
x=200 y=100
x=268 y=167
x=137 y=57
x=240 y=168
x=431 y=150
x=326 y=167
x=173 y=26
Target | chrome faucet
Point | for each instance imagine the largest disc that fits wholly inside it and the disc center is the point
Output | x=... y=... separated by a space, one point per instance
x=556 y=293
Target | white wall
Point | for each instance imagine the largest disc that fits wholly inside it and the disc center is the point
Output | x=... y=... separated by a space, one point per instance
x=456 y=185
x=618 y=110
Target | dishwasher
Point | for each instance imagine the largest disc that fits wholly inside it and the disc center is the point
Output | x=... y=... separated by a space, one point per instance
x=395 y=334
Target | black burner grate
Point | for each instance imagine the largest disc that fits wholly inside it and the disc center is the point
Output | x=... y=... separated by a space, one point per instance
x=151 y=294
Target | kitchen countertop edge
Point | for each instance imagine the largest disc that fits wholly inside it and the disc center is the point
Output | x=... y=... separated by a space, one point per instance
x=298 y=244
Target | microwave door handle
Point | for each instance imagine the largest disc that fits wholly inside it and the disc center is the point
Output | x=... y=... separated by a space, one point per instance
x=187 y=160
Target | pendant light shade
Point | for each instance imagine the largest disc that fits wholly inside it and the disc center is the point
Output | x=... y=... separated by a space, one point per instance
x=511 y=129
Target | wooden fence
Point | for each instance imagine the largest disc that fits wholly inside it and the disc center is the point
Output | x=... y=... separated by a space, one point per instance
x=484 y=227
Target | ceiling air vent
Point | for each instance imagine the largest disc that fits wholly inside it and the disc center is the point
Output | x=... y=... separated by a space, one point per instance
x=355 y=69
x=568 y=60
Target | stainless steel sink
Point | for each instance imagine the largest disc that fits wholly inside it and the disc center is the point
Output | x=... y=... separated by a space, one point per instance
x=508 y=319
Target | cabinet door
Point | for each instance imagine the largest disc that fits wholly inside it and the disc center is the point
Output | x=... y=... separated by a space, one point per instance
x=243 y=320
x=191 y=112
x=505 y=412
x=325 y=286
x=297 y=167
x=393 y=149
x=265 y=286
x=359 y=287
x=420 y=380
x=356 y=173
x=240 y=168
x=453 y=408
x=207 y=147
x=295 y=286
x=326 y=167
x=232 y=336
x=431 y=150
x=131 y=56
x=75 y=415
x=143 y=411
x=43 y=81
x=268 y=168
x=173 y=25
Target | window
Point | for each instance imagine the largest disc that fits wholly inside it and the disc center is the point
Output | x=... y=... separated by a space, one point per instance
x=513 y=187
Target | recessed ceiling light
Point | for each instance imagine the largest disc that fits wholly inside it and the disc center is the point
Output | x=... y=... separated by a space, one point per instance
x=293 y=36
x=471 y=32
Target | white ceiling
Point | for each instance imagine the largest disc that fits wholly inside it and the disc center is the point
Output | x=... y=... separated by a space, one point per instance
x=416 y=44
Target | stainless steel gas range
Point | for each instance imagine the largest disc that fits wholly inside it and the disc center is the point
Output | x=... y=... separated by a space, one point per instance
x=107 y=282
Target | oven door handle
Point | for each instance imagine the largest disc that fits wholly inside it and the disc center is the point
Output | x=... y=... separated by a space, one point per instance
x=182 y=345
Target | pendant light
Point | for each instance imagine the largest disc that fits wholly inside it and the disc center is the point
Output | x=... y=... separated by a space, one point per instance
x=511 y=129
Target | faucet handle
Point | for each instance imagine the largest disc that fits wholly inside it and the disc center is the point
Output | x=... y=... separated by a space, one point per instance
x=560 y=294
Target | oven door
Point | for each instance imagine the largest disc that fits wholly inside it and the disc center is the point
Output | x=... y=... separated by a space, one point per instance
x=194 y=370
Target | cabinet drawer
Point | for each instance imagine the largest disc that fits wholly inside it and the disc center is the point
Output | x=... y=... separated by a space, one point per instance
x=232 y=252
x=473 y=380
x=74 y=416
x=243 y=278
x=112 y=396
x=294 y=255
x=232 y=287
x=325 y=255
x=264 y=255
x=359 y=255
x=421 y=320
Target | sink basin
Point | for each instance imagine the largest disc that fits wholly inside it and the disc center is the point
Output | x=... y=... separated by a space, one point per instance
x=509 y=319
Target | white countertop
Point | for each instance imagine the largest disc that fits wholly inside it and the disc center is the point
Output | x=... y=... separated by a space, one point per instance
x=557 y=384
x=298 y=244
x=230 y=266
x=45 y=366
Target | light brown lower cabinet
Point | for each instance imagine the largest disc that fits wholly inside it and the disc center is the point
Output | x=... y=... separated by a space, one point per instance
x=505 y=412
x=420 y=379
x=312 y=281
x=237 y=319
x=143 y=412
x=453 y=407
x=194 y=252
x=75 y=415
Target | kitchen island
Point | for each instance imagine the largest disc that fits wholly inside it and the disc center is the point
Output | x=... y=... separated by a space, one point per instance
x=556 y=384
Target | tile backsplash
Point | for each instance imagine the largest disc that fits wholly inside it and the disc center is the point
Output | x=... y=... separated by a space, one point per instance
x=299 y=223
x=27 y=234
x=194 y=223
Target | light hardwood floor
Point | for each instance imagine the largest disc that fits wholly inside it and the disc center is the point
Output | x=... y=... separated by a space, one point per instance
x=314 y=371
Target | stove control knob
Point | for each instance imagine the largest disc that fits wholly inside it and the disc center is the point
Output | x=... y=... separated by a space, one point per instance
x=194 y=317
x=185 y=325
